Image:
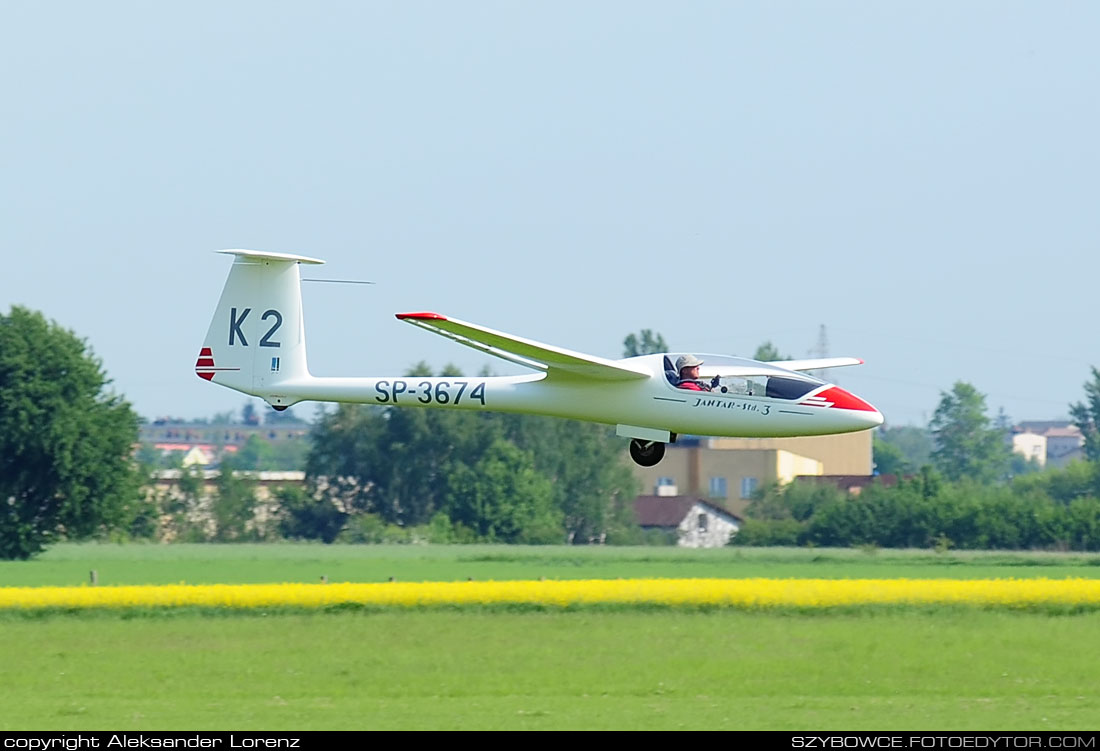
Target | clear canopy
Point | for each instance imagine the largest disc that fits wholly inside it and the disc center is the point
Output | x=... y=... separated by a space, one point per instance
x=739 y=376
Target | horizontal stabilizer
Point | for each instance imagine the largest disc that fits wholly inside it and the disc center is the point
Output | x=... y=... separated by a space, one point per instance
x=263 y=255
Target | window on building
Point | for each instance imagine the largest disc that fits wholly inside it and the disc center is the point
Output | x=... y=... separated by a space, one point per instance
x=748 y=486
x=702 y=522
x=664 y=482
x=718 y=487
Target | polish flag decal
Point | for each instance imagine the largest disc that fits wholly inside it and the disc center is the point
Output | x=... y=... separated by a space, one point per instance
x=204 y=366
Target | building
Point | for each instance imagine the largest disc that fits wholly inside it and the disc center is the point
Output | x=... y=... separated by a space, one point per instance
x=1053 y=443
x=729 y=470
x=168 y=480
x=168 y=431
x=1031 y=446
x=204 y=444
x=851 y=484
x=697 y=523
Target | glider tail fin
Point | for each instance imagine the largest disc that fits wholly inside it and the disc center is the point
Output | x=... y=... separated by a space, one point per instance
x=257 y=337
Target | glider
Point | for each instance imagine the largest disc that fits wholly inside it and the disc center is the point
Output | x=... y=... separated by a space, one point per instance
x=256 y=345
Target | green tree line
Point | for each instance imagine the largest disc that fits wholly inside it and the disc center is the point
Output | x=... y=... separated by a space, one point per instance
x=67 y=472
x=1057 y=509
x=485 y=476
x=972 y=492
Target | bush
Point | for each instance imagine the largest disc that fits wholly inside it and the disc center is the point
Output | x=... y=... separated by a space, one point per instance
x=769 y=533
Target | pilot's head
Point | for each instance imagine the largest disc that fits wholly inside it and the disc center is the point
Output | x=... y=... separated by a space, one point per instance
x=687 y=362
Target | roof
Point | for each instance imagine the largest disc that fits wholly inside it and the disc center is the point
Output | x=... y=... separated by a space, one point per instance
x=670 y=510
x=189 y=446
x=173 y=475
x=1041 y=426
x=1071 y=432
x=851 y=482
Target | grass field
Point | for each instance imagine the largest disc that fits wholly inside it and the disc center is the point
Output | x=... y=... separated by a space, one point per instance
x=574 y=670
x=69 y=565
x=882 y=669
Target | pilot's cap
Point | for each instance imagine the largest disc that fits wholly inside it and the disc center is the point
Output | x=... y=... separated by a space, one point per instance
x=687 y=361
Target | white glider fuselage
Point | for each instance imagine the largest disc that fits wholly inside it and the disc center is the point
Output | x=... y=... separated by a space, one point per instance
x=651 y=403
x=256 y=345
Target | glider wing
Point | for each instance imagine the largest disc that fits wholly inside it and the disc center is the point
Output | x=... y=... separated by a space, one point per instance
x=554 y=361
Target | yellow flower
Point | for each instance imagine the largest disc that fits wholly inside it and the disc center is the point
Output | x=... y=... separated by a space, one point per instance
x=746 y=594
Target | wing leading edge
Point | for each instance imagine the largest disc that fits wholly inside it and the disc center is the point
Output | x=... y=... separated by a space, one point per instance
x=818 y=364
x=554 y=361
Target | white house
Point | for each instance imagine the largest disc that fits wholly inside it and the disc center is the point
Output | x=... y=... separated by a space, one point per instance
x=698 y=523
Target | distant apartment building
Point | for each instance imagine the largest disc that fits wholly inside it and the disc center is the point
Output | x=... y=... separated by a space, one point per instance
x=201 y=444
x=161 y=431
x=1052 y=443
x=729 y=470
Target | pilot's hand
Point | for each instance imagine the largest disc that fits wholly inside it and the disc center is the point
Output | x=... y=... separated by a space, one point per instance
x=714 y=382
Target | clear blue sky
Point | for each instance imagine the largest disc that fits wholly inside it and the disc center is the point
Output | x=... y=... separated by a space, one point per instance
x=923 y=178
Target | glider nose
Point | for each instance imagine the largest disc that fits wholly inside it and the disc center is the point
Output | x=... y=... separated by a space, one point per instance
x=874 y=418
x=861 y=411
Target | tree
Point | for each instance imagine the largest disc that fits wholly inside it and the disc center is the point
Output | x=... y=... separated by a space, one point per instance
x=286 y=417
x=249 y=415
x=593 y=485
x=406 y=466
x=646 y=343
x=915 y=444
x=306 y=518
x=65 y=440
x=504 y=498
x=394 y=461
x=1086 y=416
x=255 y=454
x=966 y=445
x=234 y=507
x=767 y=352
x=889 y=459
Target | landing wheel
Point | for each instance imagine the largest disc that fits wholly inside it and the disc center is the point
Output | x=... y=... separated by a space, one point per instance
x=646 y=453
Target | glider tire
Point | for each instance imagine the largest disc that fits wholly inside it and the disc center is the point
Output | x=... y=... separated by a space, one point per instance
x=646 y=453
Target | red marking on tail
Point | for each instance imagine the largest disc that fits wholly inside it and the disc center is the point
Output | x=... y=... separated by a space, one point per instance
x=204 y=366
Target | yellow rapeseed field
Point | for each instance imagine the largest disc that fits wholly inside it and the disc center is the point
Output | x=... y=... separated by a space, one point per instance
x=746 y=594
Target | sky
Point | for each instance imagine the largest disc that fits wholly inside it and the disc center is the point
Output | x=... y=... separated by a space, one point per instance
x=920 y=178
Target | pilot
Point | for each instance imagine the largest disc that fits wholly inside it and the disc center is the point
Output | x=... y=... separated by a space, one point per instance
x=688 y=368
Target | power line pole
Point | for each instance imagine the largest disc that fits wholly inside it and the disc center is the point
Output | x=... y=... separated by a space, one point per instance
x=821 y=349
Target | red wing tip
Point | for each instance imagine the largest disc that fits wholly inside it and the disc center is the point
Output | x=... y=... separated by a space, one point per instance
x=421 y=316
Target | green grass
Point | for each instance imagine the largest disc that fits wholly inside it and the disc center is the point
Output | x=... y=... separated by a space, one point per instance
x=875 y=669
x=70 y=564
x=438 y=670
